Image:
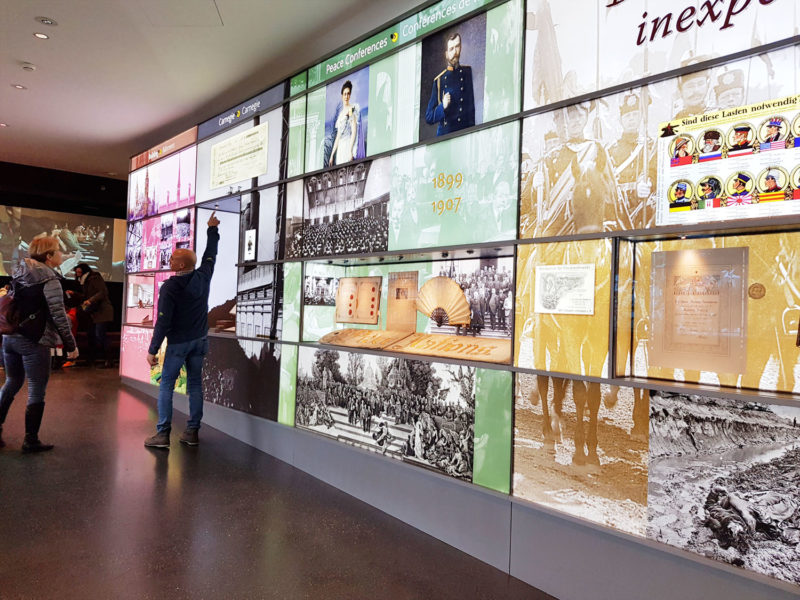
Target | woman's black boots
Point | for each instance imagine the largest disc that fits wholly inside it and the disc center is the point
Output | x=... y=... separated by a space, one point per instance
x=33 y=420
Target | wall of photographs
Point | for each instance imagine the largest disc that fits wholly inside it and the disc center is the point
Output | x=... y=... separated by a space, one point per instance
x=546 y=248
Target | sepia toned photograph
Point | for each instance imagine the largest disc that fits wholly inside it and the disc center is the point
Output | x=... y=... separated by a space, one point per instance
x=582 y=448
x=419 y=412
x=724 y=481
x=593 y=166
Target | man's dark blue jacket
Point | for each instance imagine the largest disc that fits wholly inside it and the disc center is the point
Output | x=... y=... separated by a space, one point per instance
x=183 y=301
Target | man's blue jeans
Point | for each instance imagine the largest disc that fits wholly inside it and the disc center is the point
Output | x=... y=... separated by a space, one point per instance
x=191 y=354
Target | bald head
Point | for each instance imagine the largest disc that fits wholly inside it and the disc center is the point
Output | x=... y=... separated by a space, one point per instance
x=182 y=259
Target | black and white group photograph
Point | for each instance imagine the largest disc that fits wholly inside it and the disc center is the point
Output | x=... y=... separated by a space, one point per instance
x=581 y=448
x=488 y=287
x=344 y=211
x=419 y=412
x=724 y=481
x=320 y=291
x=183 y=224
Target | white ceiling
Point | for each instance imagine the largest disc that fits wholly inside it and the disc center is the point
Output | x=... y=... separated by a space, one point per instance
x=119 y=76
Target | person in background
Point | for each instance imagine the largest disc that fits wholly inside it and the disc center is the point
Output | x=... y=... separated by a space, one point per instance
x=183 y=321
x=26 y=354
x=95 y=302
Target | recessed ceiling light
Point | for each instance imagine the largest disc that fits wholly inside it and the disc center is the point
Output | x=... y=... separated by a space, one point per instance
x=47 y=21
x=41 y=36
x=18 y=86
x=3 y=124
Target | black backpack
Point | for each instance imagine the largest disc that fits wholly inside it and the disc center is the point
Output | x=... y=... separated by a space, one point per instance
x=23 y=310
x=9 y=315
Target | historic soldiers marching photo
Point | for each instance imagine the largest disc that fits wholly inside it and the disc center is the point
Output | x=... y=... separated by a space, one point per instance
x=592 y=166
x=581 y=448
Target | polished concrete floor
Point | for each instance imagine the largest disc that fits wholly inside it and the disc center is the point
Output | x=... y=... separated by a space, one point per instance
x=103 y=517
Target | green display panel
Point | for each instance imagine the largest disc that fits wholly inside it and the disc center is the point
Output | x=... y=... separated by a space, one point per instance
x=297 y=134
x=460 y=76
x=503 y=79
x=393 y=101
x=315 y=129
x=287 y=393
x=493 y=429
x=292 y=286
x=298 y=83
x=440 y=192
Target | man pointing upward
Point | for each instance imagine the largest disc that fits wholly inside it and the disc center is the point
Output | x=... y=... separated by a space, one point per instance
x=183 y=320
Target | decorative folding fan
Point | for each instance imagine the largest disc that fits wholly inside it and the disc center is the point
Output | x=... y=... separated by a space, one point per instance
x=442 y=300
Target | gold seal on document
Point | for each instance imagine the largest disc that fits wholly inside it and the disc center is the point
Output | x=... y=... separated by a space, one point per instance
x=756 y=291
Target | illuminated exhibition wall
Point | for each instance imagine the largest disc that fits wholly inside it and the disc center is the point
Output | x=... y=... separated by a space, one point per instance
x=496 y=241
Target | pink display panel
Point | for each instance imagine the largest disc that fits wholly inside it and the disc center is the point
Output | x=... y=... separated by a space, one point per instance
x=140 y=301
x=163 y=186
x=151 y=240
x=159 y=281
x=133 y=353
x=158 y=238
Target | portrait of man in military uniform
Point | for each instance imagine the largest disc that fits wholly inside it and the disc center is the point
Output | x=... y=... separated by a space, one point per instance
x=452 y=79
x=739 y=189
x=574 y=189
x=681 y=196
x=741 y=138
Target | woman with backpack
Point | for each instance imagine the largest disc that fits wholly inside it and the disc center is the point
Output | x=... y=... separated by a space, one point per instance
x=43 y=324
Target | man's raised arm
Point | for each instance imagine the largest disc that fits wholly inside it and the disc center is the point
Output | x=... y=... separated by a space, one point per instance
x=210 y=255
